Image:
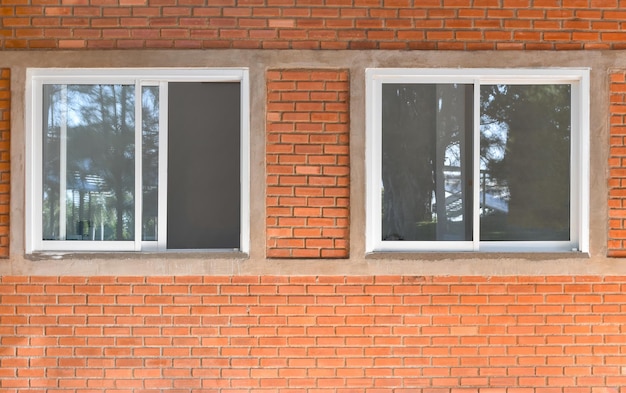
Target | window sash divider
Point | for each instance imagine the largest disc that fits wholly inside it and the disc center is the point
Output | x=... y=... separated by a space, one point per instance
x=63 y=167
x=476 y=167
x=138 y=200
x=162 y=162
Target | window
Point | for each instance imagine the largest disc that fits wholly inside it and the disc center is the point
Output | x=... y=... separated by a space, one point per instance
x=137 y=160
x=477 y=160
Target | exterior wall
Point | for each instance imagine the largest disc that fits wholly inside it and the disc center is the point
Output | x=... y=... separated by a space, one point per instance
x=270 y=249
x=319 y=334
x=617 y=163
x=308 y=163
x=313 y=24
x=351 y=323
x=308 y=309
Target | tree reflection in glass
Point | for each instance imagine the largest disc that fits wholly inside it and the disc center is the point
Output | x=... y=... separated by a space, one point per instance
x=525 y=162
x=150 y=163
x=427 y=161
x=88 y=162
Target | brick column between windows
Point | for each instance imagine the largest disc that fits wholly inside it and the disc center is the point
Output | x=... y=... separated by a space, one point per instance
x=5 y=159
x=617 y=166
x=308 y=168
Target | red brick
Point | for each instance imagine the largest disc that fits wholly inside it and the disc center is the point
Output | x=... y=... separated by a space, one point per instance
x=617 y=196
x=302 y=104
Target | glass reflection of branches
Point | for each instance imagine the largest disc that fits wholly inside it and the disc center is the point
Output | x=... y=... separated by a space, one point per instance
x=426 y=161
x=525 y=162
x=150 y=163
x=88 y=162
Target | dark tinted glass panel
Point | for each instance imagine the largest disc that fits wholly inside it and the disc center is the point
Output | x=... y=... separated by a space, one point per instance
x=525 y=138
x=204 y=166
x=426 y=161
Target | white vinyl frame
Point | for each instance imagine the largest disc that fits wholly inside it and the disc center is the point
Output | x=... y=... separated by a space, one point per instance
x=578 y=78
x=139 y=77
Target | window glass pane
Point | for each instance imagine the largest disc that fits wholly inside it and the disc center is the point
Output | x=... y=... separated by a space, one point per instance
x=426 y=162
x=88 y=162
x=53 y=120
x=150 y=163
x=525 y=137
x=204 y=187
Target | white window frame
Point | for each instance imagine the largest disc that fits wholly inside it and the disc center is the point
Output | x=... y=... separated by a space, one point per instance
x=578 y=78
x=37 y=77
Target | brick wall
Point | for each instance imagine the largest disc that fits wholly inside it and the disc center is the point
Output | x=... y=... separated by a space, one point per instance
x=617 y=166
x=5 y=161
x=318 y=334
x=313 y=24
x=308 y=163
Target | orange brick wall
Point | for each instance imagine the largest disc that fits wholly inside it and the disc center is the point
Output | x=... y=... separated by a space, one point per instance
x=617 y=166
x=383 y=334
x=313 y=24
x=5 y=161
x=355 y=334
x=308 y=163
